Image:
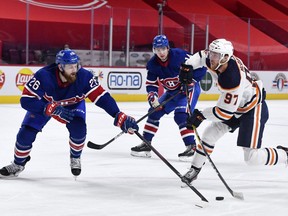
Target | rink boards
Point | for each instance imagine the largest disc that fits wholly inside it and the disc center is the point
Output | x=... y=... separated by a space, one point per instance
x=128 y=84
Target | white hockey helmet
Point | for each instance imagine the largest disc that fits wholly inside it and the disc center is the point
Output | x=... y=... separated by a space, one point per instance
x=223 y=47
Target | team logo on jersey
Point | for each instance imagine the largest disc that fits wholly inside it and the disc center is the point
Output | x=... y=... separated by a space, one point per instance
x=171 y=83
x=65 y=102
x=280 y=82
x=23 y=76
x=2 y=78
x=206 y=82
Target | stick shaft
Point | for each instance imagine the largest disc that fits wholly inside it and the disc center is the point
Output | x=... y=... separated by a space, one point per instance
x=170 y=166
x=93 y=145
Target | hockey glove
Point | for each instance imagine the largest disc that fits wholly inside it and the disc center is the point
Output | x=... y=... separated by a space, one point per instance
x=153 y=99
x=195 y=120
x=58 y=112
x=186 y=73
x=126 y=123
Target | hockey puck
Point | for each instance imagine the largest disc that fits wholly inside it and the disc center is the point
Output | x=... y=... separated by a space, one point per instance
x=219 y=198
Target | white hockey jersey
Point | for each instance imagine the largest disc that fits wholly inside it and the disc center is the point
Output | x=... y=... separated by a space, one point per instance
x=239 y=92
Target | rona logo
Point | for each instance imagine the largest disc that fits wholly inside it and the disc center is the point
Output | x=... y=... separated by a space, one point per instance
x=23 y=76
x=2 y=78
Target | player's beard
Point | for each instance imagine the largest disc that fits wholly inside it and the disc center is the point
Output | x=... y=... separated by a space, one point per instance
x=71 y=78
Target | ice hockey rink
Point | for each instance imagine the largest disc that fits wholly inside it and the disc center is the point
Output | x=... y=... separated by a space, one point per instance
x=114 y=183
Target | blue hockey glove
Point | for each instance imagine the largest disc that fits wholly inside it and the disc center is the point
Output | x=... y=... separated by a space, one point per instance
x=153 y=99
x=126 y=123
x=58 y=112
x=186 y=73
x=195 y=119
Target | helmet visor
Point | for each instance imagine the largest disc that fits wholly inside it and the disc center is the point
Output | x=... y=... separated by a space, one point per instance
x=214 y=56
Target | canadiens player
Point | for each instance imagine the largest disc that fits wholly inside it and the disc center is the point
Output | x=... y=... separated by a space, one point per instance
x=164 y=67
x=59 y=91
x=241 y=105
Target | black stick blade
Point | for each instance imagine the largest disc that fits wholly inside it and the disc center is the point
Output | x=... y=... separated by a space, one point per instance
x=95 y=146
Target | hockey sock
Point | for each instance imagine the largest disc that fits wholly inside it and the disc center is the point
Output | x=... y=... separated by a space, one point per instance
x=25 y=137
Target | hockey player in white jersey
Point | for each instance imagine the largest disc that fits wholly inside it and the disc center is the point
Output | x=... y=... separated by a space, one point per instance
x=241 y=105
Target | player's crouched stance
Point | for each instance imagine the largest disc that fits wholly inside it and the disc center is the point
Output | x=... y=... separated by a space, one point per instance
x=59 y=91
x=241 y=106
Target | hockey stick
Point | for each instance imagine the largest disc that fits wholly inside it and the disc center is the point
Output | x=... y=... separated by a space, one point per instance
x=237 y=195
x=100 y=146
x=171 y=167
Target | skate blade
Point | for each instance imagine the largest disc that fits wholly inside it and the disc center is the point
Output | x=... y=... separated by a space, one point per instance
x=183 y=185
x=141 y=154
x=11 y=176
x=8 y=177
x=185 y=159
x=75 y=177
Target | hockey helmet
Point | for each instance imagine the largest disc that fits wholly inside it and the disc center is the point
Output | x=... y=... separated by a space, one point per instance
x=223 y=48
x=160 y=41
x=67 y=56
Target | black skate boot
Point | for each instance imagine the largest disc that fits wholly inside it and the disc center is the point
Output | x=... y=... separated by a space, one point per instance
x=13 y=169
x=188 y=153
x=75 y=164
x=141 y=150
x=191 y=175
x=285 y=149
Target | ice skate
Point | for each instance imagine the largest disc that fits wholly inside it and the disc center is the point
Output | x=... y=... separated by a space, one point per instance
x=75 y=164
x=188 y=153
x=191 y=175
x=141 y=150
x=285 y=149
x=13 y=169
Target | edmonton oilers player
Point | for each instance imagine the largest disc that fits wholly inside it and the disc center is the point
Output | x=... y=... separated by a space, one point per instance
x=241 y=105
x=59 y=91
x=164 y=67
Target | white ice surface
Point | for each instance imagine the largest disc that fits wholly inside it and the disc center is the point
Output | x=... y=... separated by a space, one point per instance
x=114 y=183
